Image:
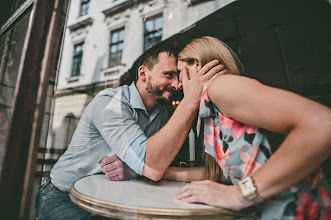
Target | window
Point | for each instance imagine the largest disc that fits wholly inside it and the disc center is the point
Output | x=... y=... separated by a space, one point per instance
x=84 y=6
x=77 y=59
x=116 y=47
x=153 y=31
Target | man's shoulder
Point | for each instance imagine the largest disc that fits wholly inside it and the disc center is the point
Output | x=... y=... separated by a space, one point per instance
x=121 y=93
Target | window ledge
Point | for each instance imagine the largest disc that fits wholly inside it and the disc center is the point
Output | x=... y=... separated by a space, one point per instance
x=113 y=72
x=117 y=6
x=80 y=22
x=195 y=2
x=72 y=79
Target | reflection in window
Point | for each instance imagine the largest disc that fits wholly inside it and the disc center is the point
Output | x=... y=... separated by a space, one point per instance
x=77 y=59
x=69 y=124
x=153 y=31
x=84 y=6
x=116 y=47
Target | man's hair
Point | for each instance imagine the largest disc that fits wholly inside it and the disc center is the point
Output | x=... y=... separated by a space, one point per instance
x=151 y=56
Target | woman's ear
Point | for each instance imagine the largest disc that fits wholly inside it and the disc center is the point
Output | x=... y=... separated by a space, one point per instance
x=142 y=73
x=198 y=65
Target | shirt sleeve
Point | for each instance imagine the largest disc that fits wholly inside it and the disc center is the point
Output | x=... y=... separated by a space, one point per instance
x=135 y=155
x=115 y=120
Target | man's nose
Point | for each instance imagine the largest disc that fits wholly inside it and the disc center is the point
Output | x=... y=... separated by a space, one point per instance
x=175 y=83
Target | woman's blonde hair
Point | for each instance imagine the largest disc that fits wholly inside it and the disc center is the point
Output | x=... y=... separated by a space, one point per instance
x=206 y=49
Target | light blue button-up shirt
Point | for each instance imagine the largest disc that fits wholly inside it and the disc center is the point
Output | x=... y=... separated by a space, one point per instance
x=115 y=122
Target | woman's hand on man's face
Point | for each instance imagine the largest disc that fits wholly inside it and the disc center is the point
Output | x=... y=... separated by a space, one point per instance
x=193 y=87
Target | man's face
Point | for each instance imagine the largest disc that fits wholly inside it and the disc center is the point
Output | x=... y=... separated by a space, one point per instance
x=162 y=80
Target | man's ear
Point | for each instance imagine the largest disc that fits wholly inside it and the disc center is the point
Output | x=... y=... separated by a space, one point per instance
x=142 y=73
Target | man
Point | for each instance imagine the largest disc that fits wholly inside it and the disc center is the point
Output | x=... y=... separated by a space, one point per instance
x=127 y=122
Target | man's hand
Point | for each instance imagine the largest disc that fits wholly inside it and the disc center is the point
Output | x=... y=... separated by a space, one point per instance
x=115 y=169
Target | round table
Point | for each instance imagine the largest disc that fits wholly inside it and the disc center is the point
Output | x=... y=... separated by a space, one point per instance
x=139 y=199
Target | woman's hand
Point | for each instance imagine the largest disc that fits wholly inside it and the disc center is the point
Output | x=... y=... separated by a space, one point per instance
x=192 y=87
x=213 y=194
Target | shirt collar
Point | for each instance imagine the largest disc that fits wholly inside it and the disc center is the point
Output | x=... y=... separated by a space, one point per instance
x=137 y=102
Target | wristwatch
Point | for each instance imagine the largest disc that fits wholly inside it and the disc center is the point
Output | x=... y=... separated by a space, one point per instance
x=248 y=190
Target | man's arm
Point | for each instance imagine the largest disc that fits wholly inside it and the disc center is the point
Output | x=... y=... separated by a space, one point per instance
x=163 y=146
x=185 y=174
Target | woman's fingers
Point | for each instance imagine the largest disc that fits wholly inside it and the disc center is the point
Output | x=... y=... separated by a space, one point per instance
x=207 y=67
x=184 y=72
x=211 y=73
x=183 y=193
x=210 y=70
x=223 y=72
x=192 y=193
x=191 y=199
x=188 y=190
x=214 y=194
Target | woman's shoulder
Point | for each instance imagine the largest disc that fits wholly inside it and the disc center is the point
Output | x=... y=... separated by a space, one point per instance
x=235 y=83
x=231 y=92
x=230 y=80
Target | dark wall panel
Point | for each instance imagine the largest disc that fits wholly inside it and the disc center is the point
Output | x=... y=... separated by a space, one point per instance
x=284 y=43
x=263 y=62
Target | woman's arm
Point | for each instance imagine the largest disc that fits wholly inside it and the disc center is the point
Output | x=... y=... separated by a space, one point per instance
x=306 y=123
x=184 y=174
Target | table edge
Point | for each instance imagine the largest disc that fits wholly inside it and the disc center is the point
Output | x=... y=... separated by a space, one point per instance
x=108 y=209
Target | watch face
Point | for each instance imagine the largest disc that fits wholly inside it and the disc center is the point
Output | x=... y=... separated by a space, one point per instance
x=247 y=186
x=248 y=190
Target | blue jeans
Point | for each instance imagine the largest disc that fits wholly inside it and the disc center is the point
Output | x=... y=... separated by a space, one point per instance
x=54 y=204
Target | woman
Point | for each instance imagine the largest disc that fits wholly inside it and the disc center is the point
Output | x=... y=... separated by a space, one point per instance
x=239 y=114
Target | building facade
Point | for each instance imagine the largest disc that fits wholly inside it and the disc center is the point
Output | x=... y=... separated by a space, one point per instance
x=102 y=40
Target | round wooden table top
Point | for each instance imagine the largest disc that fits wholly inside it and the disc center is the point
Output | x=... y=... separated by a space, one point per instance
x=139 y=199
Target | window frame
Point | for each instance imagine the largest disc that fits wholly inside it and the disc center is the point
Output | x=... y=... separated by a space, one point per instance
x=84 y=7
x=75 y=56
x=118 y=60
x=154 y=31
x=25 y=124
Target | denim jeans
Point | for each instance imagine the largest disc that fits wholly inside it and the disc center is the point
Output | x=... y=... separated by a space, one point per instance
x=54 y=204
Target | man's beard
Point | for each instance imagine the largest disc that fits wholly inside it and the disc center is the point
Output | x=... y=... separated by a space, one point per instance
x=157 y=92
